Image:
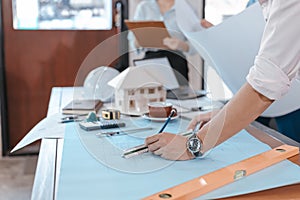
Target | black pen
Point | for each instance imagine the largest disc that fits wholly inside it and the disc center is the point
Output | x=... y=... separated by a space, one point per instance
x=173 y=111
x=137 y=150
x=124 y=131
x=72 y=118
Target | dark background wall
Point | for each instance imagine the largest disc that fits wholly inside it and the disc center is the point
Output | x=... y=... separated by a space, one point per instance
x=34 y=61
x=3 y=108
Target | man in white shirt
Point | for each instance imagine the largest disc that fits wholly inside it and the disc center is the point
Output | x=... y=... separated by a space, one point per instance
x=276 y=65
x=277 y=62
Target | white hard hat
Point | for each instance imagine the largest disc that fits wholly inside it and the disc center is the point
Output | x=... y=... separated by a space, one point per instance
x=95 y=83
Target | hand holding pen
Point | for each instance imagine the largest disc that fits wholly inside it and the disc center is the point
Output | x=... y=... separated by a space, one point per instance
x=171 y=146
x=137 y=150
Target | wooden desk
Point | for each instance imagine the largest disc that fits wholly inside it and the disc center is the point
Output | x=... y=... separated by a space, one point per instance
x=48 y=168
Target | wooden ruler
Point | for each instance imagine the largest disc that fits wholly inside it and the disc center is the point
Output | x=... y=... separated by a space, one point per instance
x=211 y=181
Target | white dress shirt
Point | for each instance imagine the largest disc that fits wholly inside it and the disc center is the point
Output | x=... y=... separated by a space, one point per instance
x=278 y=60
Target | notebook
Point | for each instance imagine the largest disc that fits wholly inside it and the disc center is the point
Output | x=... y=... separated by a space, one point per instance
x=83 y=106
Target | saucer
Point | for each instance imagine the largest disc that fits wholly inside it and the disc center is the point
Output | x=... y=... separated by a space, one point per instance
x=157 y=119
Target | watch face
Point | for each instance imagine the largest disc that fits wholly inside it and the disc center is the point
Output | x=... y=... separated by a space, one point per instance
x=194 y=144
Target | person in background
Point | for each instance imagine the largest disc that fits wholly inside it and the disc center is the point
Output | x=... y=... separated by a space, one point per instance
x=276 y=65
x=179 y=47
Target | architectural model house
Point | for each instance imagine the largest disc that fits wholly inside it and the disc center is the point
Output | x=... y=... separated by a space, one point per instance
x=135 y=88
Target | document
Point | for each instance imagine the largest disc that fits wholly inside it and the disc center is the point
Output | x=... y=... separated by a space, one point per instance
x=49 y=127
x=149 y=34
x=229 y=47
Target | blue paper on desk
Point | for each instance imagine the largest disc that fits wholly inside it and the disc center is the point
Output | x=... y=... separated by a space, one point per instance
x=92 y=167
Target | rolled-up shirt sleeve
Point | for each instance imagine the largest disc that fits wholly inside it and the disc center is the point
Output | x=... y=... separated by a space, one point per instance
x=278 y=60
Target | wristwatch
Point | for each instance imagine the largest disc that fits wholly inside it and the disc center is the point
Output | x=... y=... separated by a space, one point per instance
x=194 y=145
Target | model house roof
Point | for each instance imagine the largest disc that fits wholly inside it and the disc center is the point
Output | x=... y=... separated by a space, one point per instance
x=134 y=77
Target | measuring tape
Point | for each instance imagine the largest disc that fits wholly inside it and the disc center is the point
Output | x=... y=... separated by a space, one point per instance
x=211 y=181
x=110 y=114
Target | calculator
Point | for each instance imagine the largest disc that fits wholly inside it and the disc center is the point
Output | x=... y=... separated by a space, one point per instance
x=90 y=126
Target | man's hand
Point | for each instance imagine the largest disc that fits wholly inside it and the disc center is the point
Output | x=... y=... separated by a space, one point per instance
x=176 y=44
x=204 y=117
x=206 y=24
x=169 y=146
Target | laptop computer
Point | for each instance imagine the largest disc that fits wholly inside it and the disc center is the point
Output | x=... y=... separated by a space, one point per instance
x=161 y=69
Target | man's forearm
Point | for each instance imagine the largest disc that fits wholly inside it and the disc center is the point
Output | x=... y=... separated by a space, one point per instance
x=241 y=110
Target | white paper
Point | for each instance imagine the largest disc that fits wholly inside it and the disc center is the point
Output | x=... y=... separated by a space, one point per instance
x=231 y=47
x=49 y=127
